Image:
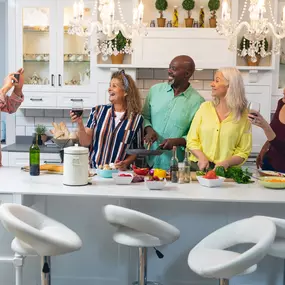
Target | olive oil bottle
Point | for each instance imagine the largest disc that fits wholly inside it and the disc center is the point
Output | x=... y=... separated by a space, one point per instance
x=35 y=157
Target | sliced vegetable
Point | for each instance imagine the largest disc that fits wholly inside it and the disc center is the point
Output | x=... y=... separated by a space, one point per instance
x=220 y=171
x=239 y=175
x=200 y=173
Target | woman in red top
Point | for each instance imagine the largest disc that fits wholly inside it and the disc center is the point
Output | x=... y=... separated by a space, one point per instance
x=272 y=154
x=11 y=103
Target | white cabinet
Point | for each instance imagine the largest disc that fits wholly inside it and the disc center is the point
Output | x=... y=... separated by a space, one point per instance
x=54 y=61
x=208 y=49
x=20 y=159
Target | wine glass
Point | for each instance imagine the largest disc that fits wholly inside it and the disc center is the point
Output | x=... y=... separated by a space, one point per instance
x=77 y=107
x=253 y=107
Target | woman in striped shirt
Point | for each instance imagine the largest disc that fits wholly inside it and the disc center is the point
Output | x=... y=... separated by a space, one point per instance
x=112 y=129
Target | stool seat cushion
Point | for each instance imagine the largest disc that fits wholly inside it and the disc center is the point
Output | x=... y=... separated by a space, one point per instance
x=137 y=229
x=46 y=236
x=210 y=257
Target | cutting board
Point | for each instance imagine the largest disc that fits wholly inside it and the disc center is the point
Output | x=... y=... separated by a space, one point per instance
x=47 y=168
x=194 y=177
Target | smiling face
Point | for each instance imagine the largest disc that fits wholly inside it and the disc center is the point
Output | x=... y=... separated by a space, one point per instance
x=177 y=72
x=116 y=92
x=219 y=86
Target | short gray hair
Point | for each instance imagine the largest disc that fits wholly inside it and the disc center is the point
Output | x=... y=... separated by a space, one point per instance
x=235 y=96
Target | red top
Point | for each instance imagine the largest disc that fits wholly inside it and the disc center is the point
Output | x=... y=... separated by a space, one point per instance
x=276 y=152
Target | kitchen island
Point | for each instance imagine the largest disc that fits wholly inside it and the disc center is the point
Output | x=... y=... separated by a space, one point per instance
x=194 y=210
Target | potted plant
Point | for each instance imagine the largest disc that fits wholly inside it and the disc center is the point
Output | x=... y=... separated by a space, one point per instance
x=244 y=44
x=120 y=46
x=188 y=5
x=161 y=5
x=213 y=5
x=41 y=134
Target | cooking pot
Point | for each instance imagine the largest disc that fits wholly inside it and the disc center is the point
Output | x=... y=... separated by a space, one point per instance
x=75 y=167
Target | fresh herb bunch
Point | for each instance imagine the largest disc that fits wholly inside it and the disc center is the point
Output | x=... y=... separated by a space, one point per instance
x=236 y=173
x=40 y=129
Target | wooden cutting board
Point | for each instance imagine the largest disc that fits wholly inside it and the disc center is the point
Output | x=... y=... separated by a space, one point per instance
x=194 y=177
x=47 y=168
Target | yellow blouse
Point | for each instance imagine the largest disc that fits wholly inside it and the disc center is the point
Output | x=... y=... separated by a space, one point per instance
x=219 y=140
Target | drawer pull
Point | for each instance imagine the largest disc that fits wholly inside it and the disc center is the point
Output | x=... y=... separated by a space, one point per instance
x=76 y=100
x=36 y=99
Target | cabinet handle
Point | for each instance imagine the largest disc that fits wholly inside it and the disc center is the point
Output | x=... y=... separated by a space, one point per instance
x=52 y=80
x=59 y=80
x=76 y=100
x=52 y=162
x=36 y=99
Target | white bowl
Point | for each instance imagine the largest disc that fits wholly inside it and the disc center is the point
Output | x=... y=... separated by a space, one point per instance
x=211 y=182
x=122 y=180
x=155 y=185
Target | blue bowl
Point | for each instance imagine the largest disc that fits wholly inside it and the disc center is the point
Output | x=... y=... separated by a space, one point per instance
x=106 y=173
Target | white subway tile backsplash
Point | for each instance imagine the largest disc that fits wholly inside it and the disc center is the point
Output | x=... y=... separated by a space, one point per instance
x=34 y=113
x=139 y=83
x=205 y=94
x=160 y=73
x=43 y=121
x=20 y=113
x=20 y=131
x=86 y=113
x=25 y=121
x=67 y=121
x=66 y=113
x=143 y=93
x=206 y=74
x=197 y=84
x=207 y=85
x=144 y=73
x=54 y=113
x=150 y=82
x=30 y=131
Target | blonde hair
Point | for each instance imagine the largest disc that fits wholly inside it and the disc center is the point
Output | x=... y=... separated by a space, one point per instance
x=235 y=97
x=134 y=105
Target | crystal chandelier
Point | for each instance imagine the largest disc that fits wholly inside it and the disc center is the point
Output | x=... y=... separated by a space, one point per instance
x=106 y=27
x=254 y=41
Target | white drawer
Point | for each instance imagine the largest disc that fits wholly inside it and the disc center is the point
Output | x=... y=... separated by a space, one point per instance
x=65 y=100
x=46 y=100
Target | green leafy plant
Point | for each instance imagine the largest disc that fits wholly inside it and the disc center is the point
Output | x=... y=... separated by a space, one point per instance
x=188 y=5
x=161 y=5
x=245 y=43
x=120 y=42
x=40 y=129
x=214 y=5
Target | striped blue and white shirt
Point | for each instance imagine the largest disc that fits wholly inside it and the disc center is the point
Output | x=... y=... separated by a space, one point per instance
x=110 y=142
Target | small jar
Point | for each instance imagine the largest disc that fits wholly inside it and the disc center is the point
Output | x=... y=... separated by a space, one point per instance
x=195 y=25
x=181 y=173
x=169 y=24
x=152 y=23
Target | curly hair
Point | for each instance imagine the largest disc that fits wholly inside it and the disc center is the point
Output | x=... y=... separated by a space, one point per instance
x=134 y=104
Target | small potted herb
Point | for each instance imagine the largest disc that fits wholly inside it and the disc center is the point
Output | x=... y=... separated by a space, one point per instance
x=213 y=5
x=161 y=5
x=245 y=44
x=188 y=5
x=120 y=45
x=41 y=134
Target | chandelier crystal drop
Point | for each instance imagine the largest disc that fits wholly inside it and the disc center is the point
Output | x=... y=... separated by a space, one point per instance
x=103 y=28
x=255 y=31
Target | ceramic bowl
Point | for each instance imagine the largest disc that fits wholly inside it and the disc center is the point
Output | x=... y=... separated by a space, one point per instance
x=106 y=173
x=155 y=185
x=268 y=182
x=122 y=180
x=210 y=182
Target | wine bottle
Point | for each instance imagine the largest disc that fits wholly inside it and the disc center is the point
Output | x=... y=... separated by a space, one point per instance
x=174 y=167
x=35 y=158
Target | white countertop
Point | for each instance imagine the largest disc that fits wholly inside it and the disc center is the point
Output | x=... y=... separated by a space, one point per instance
x=15 y=181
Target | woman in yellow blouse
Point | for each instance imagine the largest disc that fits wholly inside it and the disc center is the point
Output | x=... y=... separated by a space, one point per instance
x=220 y=134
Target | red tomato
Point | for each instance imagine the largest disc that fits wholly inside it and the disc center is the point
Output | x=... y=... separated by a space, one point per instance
x=125 y=175
x=211 y=175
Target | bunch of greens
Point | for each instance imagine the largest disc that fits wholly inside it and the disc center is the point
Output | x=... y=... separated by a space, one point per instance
x=236 y=173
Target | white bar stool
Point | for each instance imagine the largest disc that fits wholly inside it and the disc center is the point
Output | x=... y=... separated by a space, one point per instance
x=136 y=229
x=36 y=234
x=209 y=258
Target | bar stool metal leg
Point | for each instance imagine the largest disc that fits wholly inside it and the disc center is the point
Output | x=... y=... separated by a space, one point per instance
x=45 y=274
x=224 y=282
x=18 y=264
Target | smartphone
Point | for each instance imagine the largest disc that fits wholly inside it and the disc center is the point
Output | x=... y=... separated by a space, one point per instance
x=17 y=76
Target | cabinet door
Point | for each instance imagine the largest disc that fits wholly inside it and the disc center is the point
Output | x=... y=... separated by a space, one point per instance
x=36 y=43
x=74 y=64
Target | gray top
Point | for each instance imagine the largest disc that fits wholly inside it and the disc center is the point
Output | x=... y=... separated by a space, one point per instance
x=25 y=148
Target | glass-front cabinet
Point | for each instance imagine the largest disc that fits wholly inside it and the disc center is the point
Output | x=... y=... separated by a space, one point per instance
x=54 y=60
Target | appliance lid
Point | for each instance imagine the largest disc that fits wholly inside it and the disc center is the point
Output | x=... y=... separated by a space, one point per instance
x=76 y=150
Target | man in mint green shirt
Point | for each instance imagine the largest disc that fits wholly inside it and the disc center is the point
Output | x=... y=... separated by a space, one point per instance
x=169 y=110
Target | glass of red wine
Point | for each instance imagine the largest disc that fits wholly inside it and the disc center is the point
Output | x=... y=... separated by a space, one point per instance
x=253 y=108
x=77 y=107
